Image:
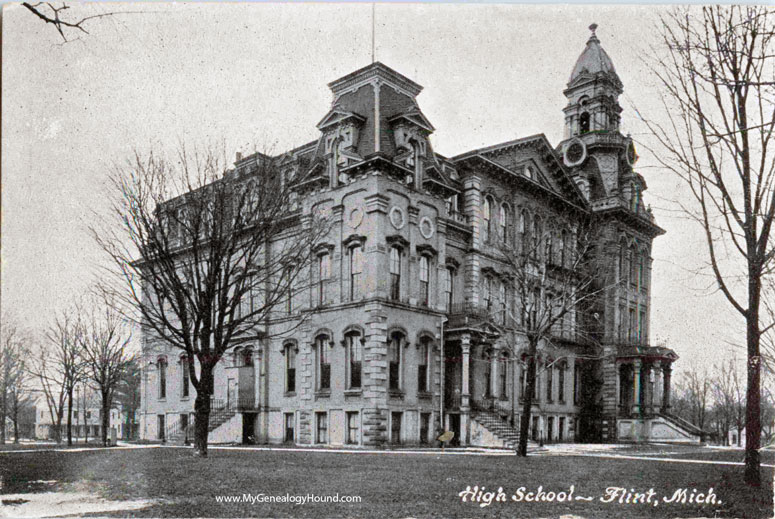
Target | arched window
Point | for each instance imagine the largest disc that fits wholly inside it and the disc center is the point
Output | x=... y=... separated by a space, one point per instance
x=354 y=344
x=185 y=377
x=642 y=270
x=584 y=122
x=424 y=281
x=246 y=357
x=394 y=359
x=161 y=366
x=395 y=273
x=356 y=268
x=323 y=361
x=487 y=218
x=633 y=265
x=290 y=367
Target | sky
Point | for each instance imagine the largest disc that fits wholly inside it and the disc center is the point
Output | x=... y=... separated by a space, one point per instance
x=254 y=76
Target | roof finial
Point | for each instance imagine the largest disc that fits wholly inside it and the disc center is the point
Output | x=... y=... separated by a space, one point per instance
x=592 y=28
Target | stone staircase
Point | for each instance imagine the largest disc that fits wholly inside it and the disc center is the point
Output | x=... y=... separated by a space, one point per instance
x=498 y=427
x=219 y=415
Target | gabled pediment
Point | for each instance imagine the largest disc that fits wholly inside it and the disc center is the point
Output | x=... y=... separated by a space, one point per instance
x=414 y=117
x=337 y=116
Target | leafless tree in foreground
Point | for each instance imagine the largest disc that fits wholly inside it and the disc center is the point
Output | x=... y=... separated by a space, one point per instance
x=205 y=255
x=14 y=349
x=554 y=275
x=58 y=366
x=62 y=18
x=716 y=69
x=104 y=344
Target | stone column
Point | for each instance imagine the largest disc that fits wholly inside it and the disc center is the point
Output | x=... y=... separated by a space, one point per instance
x=465 y=346
x=667 y=370
x=636 y=368
x=494 y=386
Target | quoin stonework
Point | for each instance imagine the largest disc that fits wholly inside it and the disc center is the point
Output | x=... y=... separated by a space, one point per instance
x=406 y=328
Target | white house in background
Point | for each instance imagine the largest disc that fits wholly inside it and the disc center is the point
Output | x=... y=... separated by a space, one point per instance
x=767 y=438
x=86 y=422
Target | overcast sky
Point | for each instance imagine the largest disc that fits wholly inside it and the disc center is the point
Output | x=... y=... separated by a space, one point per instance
x=256 y=74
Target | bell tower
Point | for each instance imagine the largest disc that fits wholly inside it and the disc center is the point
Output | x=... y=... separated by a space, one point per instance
x=594 y=148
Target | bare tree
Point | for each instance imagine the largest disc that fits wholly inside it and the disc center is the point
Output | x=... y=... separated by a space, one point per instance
x=104 y=343
x=58 y=366
x=716 y=70
x=13 y=355
x=64 y=20
x=729 y=398
x=554 y=276
x=698 y=393
x=206 y=254
x=128 y=395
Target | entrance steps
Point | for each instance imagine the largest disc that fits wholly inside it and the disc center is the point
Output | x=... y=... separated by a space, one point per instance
x=499 y=428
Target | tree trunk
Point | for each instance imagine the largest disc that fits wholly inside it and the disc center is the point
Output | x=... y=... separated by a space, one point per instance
x=105 y=420
x=524 y=424
x=753 y=394
x=70 y=417
x=202 y=410
x=128 y=425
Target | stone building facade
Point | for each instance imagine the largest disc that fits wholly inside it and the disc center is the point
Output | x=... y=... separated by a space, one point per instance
x=406 y=328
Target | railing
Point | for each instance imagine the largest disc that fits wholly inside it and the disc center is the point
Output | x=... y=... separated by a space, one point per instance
x=453 y=401
x=465 y=313
x=458 y=217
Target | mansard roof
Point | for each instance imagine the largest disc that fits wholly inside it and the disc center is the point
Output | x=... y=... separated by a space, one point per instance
x=375 y=70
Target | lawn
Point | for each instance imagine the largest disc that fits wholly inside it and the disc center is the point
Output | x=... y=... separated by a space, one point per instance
x=390 y=485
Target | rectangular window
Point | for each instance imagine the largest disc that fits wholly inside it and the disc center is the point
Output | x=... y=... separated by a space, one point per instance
x=160 y=427
x=290 y=368
x=534 y=429
x=488 y=293
x=561 y=385
x=448 y=288
x=355 y=355
x=321 y=422
x=395 y=273
x=576 y=384
x=324 y=273
x=353 y=429
x=183 y=423
x=356 y=267
x=550 y=429
x=631 y=325
x=186 y=377
x=422 y=369
x=395 y=427
x=425 y=426
x=642 y=326
x=561 y=430
x=290 y=428
x=550 y=384
x=424 y=281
